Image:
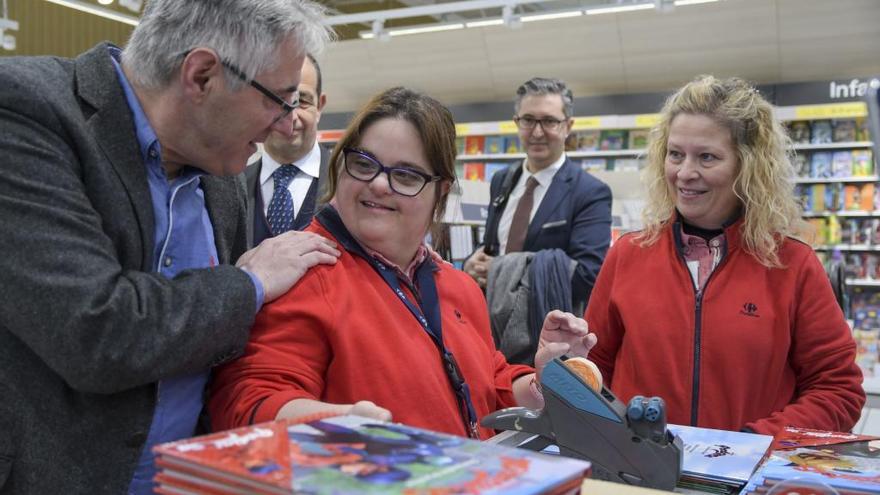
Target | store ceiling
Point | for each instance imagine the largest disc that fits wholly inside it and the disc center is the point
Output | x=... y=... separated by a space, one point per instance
x=767 y=41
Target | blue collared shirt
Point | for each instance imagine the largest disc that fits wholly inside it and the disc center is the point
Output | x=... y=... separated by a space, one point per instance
x=184 y=239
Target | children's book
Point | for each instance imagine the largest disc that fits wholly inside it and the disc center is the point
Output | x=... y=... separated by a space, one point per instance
x=800 y=131
x=355 y=455
x=804 y=460
x=638 y=139
x=613 y=139
x=821 y=165
x=473 y=145
x=821 y=132
x=511 y=144
x=494 y=145
x=474 y=171
x=588 y=140
x=724 y=457
x=842 y=164
x=844 y=130
x=863 y=163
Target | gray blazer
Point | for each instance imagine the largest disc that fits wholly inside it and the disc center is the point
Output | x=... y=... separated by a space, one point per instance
x=86 y=330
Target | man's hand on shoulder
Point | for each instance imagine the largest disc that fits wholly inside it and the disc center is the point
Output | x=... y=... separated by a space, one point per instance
x=477 y=266
x=279 y=262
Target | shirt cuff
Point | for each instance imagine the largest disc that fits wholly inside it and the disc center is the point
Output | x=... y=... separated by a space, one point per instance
x=258 y=288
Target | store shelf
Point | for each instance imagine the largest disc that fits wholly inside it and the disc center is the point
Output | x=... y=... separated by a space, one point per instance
x=827 y=180
x=849 y=247
x=815 y=214
x=570 y=154
x=862 y=282
x=832 y=146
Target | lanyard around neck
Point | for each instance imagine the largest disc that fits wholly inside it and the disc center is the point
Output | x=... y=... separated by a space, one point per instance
x=428 y=315
x=427 y=312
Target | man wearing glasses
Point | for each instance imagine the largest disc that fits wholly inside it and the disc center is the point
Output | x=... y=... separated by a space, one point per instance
x=122 y=245
x=283 y=186
x=547 y=201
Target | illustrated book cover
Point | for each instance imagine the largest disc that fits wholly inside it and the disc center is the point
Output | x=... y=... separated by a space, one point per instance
x=351 y=454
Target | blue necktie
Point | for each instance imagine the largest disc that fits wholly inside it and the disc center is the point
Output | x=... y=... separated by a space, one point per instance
x=280 y=211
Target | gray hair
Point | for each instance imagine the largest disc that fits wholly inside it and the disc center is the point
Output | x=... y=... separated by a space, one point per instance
x=246 y=33
x=539 y=86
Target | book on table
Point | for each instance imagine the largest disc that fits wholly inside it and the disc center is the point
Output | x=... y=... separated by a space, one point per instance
x=805 y=461
x=350 y=454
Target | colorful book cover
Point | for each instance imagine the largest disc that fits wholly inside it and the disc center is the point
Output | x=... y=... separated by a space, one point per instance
x=845 y=467
x=494 y=145
x=866 y=199
x=844 y=130
x=588 y=140
x=492 y=168
x=474 y=171
x=852 y=197
x=821 y=132
x=511 y=144
x=459 y=145
x=818 y=197
x=842 y=164
x=613 y=139
x=820 y=165
x=792 y=437
x=638 y=139
x=863 y=163
x=720 y=454
x=350 y=454
x=800 y=131
x=473 y=145
x=801 y=165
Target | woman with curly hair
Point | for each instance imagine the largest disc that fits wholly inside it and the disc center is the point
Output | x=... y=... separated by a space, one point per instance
x=715 y=306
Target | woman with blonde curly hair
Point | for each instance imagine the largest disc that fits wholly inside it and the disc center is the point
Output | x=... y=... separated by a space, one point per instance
x=715 y=306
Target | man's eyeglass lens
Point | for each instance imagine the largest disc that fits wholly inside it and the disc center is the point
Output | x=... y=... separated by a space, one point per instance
x=286 y=107
x=530 y=123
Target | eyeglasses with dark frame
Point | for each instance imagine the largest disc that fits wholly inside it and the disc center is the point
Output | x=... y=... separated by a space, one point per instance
x=547 y=123
x=286 y=107
x=405 y=181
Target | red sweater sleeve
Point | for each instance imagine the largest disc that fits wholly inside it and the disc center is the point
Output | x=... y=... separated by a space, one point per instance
x=602 y=318
x=830 y=394
x=284 y=359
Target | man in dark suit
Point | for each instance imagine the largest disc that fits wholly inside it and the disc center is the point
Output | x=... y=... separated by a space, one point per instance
x=546 y=201
x=122 y=218
x=293 y=166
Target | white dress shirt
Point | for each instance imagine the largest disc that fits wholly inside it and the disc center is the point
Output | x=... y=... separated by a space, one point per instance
x=544 y=178
x=309 y=169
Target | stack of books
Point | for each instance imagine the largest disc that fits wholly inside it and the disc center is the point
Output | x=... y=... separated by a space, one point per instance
x=806 y=462
x=718 y=461
x=350 y=454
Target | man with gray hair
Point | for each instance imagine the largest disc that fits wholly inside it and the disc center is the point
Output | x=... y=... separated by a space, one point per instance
x=122 y=219
x=547 y=201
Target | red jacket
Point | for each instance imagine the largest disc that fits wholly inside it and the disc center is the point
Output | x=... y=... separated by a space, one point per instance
x=763 y=348
x=341 y=335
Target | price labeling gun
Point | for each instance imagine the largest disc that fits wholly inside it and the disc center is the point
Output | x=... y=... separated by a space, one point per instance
x=625 y=443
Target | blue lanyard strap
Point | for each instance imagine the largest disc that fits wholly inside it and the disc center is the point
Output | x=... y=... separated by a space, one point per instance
x=427 y=312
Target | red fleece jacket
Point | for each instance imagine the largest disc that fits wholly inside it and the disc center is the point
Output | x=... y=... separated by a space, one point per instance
x=764 y=348
x=341 y=336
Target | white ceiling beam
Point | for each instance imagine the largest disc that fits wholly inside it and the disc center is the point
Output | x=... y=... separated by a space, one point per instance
x=423 y=10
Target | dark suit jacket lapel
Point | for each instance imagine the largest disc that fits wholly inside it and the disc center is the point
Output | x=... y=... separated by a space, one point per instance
x=223 y=210
x=252 y=188
x=113 y=127
x=560 y=188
